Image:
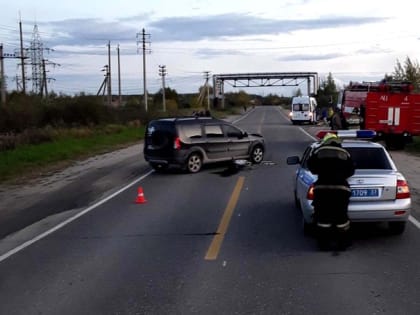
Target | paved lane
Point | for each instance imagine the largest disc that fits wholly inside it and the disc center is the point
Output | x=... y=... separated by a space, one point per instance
x=127 y=258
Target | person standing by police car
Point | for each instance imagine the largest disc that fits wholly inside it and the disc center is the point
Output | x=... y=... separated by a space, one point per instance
x=333 y=165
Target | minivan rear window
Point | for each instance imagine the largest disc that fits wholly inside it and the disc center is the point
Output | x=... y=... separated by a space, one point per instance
x=160 y=134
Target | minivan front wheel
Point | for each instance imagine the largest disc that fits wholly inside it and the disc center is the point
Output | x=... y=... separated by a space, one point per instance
x=194 y=163
x=257 y=154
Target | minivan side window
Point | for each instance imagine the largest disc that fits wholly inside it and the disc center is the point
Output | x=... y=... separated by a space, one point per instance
x=191 y=131
x=213 y=131
x=233 y=132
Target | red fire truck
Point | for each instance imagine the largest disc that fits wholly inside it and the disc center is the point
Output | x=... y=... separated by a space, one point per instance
x=391 y=109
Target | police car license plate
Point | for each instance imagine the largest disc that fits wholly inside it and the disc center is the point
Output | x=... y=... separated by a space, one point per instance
x=364 y=192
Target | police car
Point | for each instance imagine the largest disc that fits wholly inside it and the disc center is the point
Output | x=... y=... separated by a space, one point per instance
x=380 y=193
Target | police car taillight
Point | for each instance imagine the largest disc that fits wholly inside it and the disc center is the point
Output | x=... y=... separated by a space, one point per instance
x=403 y=191
x=310 y=193
x=177 y=143
x=348 y=134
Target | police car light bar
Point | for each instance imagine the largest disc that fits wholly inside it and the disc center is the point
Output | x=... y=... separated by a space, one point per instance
x=348 y=134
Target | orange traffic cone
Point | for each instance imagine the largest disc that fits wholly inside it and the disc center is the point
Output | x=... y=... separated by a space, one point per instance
x=140 y=196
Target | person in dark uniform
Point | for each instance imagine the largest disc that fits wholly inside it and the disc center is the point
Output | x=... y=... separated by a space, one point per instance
x=362 y=114
x=336 y=121
x=333 y=165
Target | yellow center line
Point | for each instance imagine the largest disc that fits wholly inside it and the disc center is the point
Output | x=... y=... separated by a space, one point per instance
x=215 y=245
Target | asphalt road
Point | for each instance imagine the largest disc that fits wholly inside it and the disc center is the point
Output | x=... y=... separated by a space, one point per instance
x=222 y=241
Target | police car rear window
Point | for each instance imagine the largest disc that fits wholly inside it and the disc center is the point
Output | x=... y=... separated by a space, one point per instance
x=369 y=158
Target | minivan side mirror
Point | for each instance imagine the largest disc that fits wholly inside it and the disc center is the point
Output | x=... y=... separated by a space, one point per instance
x=244 y=134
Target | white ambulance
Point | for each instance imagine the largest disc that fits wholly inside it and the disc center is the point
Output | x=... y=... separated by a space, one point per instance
x=303 y=110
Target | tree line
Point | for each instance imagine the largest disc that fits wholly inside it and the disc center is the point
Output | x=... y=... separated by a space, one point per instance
x=60 y=111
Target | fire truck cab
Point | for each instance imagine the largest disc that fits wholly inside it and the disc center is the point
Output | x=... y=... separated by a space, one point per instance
x=352 y=97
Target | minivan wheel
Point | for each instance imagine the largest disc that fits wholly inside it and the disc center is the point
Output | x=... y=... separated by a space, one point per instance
x=194 y=163
x=257 y=154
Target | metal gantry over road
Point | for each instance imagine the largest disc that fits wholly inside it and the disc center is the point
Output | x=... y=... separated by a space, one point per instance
x=264 y=79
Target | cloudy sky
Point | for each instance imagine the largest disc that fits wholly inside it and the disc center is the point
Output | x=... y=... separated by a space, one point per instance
x=354 y=40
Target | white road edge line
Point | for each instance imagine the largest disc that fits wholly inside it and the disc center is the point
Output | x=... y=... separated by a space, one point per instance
x=414 y=221
x=71 y=219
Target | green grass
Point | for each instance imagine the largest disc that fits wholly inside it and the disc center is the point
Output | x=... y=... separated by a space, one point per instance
x=33 y=159
x=69 y=145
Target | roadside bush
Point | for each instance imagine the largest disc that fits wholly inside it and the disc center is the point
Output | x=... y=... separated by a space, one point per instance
x=80 y=132
x=34 y=136
x=134 y=123
x=127 y=113
x=83 y=110
x=22 y=112
x=7 y=142
x=111 y=129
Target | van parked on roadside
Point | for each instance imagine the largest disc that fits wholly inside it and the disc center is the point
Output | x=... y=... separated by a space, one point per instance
x=303 y=110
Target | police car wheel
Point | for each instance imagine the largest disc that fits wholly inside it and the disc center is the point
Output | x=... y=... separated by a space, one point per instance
x=297 y=203
x=396 y=228
x=308 y=228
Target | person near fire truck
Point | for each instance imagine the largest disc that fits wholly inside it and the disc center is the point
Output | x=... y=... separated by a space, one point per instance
x=362 y=114
x=333 y=165
x=338 y=121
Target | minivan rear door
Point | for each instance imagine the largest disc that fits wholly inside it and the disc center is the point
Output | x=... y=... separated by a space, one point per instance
x=159 y=139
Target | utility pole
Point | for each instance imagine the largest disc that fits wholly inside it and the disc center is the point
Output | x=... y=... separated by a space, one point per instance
x=207 y=76
x=144 y=41
x=2 y=79
x=44 y=80
x=162 y=73
x=22 y=58
x=144 y=69
x=119 y=76
x=109 y=75
x=104 y=85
